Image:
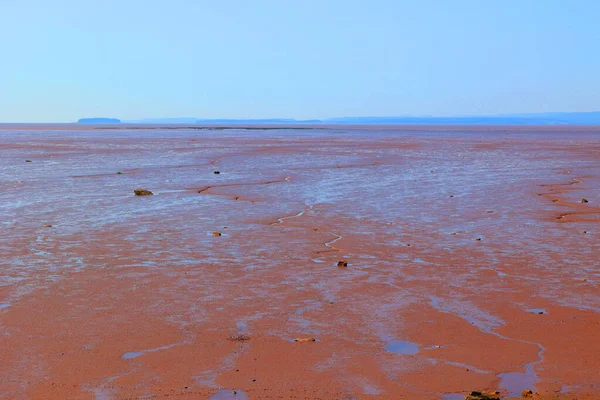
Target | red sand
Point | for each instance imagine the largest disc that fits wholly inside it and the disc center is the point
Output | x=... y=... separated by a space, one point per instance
x=130 y=297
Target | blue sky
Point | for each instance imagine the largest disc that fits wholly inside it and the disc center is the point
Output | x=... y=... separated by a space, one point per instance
x=66 y=59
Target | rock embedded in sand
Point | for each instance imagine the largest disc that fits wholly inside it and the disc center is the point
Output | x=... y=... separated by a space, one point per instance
x=239 y=338
x=303 y=340
x=217 y=234
x=142 y=192
x=47 y=226
x=216 y=172
x=28 y=161
x=527 y=393
x=481 y=396
x=342 y=263
x=584 y=200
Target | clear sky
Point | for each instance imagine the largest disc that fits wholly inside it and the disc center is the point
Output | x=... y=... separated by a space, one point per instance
x=65 y=59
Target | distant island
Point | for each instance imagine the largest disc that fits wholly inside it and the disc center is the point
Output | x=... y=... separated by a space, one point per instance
x=99 y=121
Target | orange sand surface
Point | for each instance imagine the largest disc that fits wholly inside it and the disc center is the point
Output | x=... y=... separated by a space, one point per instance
x=473 y=263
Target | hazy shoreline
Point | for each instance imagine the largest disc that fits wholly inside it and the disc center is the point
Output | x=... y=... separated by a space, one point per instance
x=381 y=127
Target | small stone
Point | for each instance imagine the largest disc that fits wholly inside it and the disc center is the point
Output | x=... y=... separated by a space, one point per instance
x=217 y=234
x=142 y=192
x=47 y=226
x=239 y=338
x=453 y=233
x=541 y=312
x=119 y=173
x=302 y=340
x=451 y=195
x=527 y=393
x=481 y=396
x=489 y=212
x=217 y=172
x=28 y=161
x=342 y=263
x=478 y=239
x=584 y=201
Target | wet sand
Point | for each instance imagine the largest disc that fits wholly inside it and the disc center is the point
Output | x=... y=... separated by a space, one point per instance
x=472 y=263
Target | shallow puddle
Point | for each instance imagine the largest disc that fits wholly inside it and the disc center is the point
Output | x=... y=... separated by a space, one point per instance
x=454 y=396
x=401 y=347
x=134 y=354
x=516 y=382
x=227 y=394
x=537 y=310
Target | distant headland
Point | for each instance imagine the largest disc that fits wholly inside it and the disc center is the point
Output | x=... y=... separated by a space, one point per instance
x=99 y=121
x=556 y=118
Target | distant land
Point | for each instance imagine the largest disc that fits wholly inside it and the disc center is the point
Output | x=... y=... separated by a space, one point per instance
x=99 y=121
x=554 y=118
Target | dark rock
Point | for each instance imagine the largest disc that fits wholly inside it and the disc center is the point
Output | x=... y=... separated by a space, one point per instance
x=217 y=234
x=47 y=226
x=142 y=192
x=527 y=393
x=584 y=201
x=481 y=396
x=342 y=264
x=28 y=161
x=119 y=173
x=478 y=239
x=239 y=338
x=217 y=172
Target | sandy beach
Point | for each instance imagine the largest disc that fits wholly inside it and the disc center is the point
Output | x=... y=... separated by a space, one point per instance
x=472 y=262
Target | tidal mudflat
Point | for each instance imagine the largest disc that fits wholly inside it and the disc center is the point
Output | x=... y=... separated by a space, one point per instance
x=331 y=263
